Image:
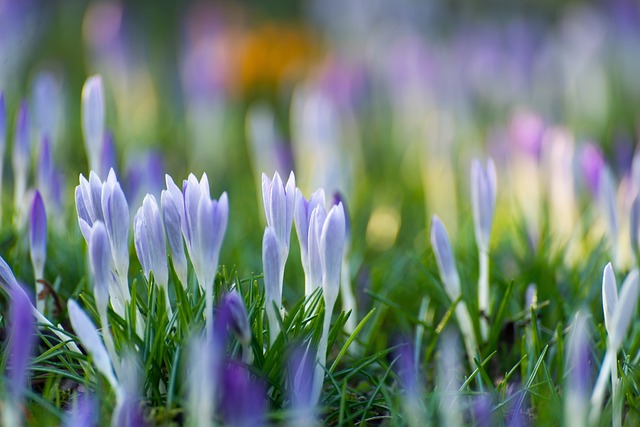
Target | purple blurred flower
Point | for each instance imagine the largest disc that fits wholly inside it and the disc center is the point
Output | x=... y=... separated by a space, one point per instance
x=144 y=174
x=83 y=413
x=38 y=235
x=234 y=314
x=526 y=131
x=93 y=112
x=482 y=410
x=23 y=339
x=107 y=154
x=46 y=104
x=578 y=373
x=592 y=163
x=300 y=377
x=45 y=168
x=243 y=402
x=128 y=412
x=21 y=155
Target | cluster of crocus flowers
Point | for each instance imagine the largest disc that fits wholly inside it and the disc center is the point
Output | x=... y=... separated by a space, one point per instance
x=322 y=237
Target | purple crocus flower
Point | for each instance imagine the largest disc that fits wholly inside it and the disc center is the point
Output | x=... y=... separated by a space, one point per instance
x=331 y=239
x=278 y=202
x=204 y=227
x=578 y=375
x=23 y=339
x=243 y=401
x=21 y=155
x=300 y=374
x=303 y=210
x=84 y=412
x=100 y=255
x=128 y=412
x=116 y=220
x=38 y=244
x=172 y=203
x=483 y=198
x=93 y=112
x=45 y=170
x=272 y=285
x=238 y=320
x=89 y=338
x=150 y=244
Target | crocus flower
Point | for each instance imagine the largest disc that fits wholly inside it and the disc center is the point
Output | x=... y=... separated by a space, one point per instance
x=451 y=281
x=100 y=254
x=618 y=310
x=243 y=401
x=302 y=218
x=204 y=361
x=331 y=238
x=349 y=304
x=38 y=244
x=9 y=283
x=150 y=244
x=449 y=380
x=607 y=203
x=22 y=342
x=272 y=288
x=93 y=112
x=578 y=382
x=204 y=227
x=83 y=413
x=89 y=338
x=278 y=202
x=128 y=412
x=116 y=220
x=45 y=171
x=483 y=198
x=238 y=321
x=21 y=156
x=412 y=387
x=172 y=203
x=300 y=375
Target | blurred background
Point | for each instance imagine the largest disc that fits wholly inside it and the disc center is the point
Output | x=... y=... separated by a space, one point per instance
x=384 y=102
